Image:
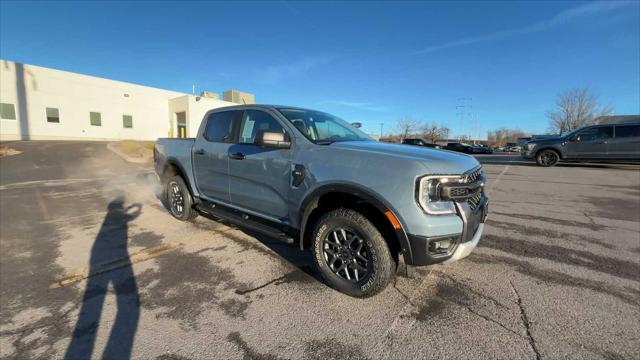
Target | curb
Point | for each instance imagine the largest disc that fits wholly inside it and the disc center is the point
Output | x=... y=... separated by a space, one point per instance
x=113 y=148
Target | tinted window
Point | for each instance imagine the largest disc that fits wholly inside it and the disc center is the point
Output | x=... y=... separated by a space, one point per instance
x=53 y=115
x=127 y=121
x=95 y=119
x=220 y=126
x=7 y=111
x=596 y=133
x=256 y=121
x=627 y=131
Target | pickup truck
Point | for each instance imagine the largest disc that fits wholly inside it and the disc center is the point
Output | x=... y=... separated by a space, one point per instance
x=305 y=176
x=606 y=142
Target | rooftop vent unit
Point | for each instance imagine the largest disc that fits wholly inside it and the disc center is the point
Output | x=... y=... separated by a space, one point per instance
x=210 y=95
x=239 y=97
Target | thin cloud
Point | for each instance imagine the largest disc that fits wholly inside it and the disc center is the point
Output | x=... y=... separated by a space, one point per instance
x=275 y=73
x=562 y=17
x=357 y=105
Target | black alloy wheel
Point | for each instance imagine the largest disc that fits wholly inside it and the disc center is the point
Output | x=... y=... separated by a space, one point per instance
x=347 y=255
x=547 y=158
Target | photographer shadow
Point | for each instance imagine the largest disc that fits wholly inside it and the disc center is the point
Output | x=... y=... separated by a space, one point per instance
x=109 y=247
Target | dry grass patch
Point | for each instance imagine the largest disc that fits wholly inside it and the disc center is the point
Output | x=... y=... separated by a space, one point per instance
x=7 y=151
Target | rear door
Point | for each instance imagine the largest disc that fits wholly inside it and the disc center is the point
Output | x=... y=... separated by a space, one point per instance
x=626 y=142
x=211 y=154
x=590 y=143
x=260 y=178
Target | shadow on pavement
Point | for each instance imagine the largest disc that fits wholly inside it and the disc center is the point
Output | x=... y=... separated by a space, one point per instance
x=110 y=244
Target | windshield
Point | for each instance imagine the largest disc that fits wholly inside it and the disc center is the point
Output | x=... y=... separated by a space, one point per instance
x=323 y=128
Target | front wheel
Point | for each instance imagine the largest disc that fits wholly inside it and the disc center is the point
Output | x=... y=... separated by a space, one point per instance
x=179 y=199
x=351 y=254
x=547 y=158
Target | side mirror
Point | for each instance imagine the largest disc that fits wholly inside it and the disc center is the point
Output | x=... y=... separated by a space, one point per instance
x=356 y=125
x=575 y=138
x=276 y=140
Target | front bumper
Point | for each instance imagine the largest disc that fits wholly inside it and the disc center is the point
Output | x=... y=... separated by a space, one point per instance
x=463 y=244
x=527 y=154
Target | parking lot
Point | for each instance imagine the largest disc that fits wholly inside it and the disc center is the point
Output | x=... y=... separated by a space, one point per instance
x=88 y=249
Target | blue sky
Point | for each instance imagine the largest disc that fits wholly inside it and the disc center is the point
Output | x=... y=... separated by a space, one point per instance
x=373 y=62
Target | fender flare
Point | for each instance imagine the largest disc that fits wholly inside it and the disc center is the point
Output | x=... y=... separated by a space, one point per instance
x=173 y=162
x=310 y=203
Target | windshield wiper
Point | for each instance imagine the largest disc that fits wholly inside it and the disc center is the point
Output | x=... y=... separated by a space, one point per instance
x=324 y=142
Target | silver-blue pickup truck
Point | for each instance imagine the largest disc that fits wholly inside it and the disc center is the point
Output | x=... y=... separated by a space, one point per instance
x=298 y=175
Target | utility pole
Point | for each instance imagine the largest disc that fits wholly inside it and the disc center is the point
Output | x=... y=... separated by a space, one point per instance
x=381 y=126
x=463 y=110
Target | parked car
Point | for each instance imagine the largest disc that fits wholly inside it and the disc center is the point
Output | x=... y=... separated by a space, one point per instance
x=511 y=147
x=459 y=147
x=611 y=142
x=306 y=176
x=482 y=149
x=421 y=142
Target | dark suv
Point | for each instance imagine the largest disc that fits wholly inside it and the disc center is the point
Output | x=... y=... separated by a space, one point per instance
x=421 y=142
x=460 y=147
x=611 y=142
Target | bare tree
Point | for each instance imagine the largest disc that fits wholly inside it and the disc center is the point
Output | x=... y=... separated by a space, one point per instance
x=501 y=136
x=407 y=126
x=433 y=132
x=575 y=108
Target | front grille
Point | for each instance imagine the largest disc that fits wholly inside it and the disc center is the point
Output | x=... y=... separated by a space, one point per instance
x=474 y=201
x=473 y=176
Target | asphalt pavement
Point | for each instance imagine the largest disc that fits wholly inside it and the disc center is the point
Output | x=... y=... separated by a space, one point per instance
x=92 y=265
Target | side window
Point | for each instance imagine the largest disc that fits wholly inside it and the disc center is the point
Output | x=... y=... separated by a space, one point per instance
x=95 y=119
x=53 y=115
x=254 y=122
x=596 y=133
x=127 y=121
x=220 y=126
x=624 y=131
x=7 y=111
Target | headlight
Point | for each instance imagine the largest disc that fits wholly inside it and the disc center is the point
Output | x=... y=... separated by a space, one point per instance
x=530 y=146
x=429 y=195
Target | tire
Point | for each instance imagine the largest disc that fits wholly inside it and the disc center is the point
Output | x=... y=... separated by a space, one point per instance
x=179 y=199
x=547 y=158
x=351 y=254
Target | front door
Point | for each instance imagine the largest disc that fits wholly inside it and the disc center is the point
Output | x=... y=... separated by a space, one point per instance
x=211 y=155
x=259 y=178
x=181 y=122
x=590 y=143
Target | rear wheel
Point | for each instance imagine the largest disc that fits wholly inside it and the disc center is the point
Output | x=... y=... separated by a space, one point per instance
x=351 y=254
x=179 y=199
x=547 y=158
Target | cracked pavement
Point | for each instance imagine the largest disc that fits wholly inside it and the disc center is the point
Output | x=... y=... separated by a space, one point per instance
x=555 y=276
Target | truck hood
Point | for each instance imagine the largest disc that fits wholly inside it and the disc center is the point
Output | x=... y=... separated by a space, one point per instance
x=437 y=161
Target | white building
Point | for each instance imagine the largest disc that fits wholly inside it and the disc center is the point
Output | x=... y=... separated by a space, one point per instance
x=38 y=103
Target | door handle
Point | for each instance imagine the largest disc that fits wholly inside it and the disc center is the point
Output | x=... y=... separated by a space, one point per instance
x=199 y=152
x=237 y=156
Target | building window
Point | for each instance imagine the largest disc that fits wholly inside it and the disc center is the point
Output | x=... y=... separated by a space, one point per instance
x=7 y=111
x=53 y=115
x=127 y=121
x=95 y=118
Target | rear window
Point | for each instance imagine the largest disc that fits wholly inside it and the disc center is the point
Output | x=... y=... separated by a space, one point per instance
x=624 y=131
x=220 y=126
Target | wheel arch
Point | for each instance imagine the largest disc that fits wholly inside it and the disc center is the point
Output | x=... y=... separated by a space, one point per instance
x=329 y=197
x=552 y=148
x=173 y=167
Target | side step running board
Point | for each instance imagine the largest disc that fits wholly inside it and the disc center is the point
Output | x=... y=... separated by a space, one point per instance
x=243 y=220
